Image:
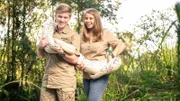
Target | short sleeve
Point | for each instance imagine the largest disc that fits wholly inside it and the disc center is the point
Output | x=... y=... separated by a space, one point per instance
x=76 y=42
x=119 y=46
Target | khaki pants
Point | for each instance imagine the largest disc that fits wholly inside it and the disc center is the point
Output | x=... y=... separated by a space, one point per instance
x=60 y=94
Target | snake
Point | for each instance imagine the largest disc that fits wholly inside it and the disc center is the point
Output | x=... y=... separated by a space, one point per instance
x=95 y=68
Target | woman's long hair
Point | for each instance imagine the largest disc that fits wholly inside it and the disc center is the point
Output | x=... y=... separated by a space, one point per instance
x=97 y=30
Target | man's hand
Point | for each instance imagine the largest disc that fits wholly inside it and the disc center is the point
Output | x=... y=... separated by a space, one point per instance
x=43 y=43
x=57 y=47
x=40 y=47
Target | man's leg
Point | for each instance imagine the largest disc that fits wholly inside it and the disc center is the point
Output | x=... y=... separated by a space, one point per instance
x=66 y=94
x=48 y=94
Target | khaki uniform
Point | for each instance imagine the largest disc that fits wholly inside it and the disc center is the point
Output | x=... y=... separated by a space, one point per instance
x=59 y=75
x=97 y=50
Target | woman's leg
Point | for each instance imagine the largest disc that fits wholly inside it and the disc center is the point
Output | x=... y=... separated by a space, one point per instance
x=86 y=83
x=95 y=88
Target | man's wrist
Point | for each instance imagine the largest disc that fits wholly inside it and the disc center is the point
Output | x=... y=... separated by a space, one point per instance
x=62 y=54
x=40 y=47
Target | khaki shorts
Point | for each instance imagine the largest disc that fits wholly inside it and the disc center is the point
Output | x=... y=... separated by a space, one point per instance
x=67 y=94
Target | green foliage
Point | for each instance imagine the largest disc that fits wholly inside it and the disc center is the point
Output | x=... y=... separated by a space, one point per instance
x=11 y=92
x=177 y=9
x=142 y=82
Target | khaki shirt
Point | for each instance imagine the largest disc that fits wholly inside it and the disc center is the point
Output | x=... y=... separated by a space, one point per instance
x=97 y=50
x=58 y=72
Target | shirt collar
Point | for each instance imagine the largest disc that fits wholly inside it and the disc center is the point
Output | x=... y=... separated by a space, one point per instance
x=65 y=30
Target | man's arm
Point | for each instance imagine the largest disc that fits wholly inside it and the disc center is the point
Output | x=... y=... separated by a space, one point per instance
x=74 y=59
x=40 y=52
x=40 y=48
x=71 y=58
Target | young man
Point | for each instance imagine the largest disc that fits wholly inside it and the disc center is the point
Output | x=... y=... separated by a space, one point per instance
x=59 y=81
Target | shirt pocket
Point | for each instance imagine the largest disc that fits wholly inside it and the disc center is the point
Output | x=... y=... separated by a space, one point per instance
x=99 y=47
x=94 y=48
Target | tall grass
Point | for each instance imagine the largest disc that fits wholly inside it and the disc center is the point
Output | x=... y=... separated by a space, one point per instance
x=141 y=82
x=12 y=91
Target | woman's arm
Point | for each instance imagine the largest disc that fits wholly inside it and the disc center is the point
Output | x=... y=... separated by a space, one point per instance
x=119 y=48
x=118 y=45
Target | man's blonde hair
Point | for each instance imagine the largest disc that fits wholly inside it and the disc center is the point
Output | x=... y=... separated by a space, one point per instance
x=63 y=8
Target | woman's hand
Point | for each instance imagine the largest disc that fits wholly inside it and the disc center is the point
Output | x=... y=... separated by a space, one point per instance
x=80 y=65
x=109 y=58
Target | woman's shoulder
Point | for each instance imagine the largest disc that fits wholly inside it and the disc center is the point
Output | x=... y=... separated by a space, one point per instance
x=81 y=38
x=107 y=33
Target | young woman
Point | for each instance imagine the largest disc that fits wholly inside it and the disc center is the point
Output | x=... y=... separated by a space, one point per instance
x=94 y=44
